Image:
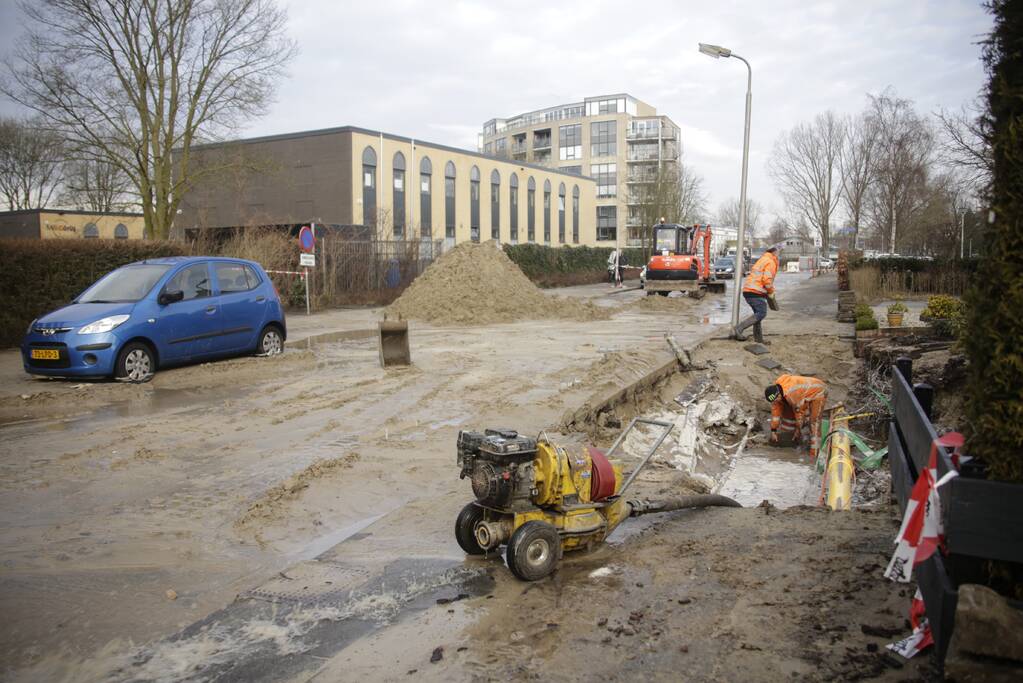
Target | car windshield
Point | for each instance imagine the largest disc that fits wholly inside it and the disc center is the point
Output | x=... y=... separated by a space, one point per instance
x=723 y=263
x=124 y=285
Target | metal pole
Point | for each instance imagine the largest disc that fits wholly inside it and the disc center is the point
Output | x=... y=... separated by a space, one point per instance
x=741 y=237
x=962 y=233
x=306 y=278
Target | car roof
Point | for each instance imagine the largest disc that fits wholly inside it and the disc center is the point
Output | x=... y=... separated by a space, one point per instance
x=177 y=260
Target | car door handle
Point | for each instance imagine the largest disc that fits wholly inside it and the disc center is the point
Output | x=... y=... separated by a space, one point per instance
x=211 y=309
x=260 y=299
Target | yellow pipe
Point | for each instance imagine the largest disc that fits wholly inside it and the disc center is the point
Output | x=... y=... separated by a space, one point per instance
x=840 y=472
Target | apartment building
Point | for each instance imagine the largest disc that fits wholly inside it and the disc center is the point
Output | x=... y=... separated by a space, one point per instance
x=396 y=188
x=618 y=140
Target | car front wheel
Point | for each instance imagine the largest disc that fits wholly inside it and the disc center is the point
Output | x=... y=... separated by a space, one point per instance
x=135 y=362
x=271 y=343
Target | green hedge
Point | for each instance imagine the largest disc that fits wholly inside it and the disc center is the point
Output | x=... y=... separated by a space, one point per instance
x=556 y=265
x=37 y=276
x=916 y=265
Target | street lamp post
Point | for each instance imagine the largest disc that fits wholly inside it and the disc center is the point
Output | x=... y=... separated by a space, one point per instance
x=717 y=52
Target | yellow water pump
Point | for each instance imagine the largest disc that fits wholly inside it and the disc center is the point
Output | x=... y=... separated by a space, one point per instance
x=540 y=499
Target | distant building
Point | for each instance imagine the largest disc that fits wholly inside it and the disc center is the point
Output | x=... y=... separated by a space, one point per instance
x=618 y=140
x=60 y=224
x=398 y=187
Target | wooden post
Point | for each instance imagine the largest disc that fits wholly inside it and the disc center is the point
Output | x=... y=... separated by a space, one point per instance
x=925 y=397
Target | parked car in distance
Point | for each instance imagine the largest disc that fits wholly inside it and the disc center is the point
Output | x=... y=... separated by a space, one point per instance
x=827 y=263
x=158 y=313
x=724 y=267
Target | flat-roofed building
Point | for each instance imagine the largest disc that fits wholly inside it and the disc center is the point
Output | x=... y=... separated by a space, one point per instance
x=618 y=140
x=68 y=224
x=400 y=187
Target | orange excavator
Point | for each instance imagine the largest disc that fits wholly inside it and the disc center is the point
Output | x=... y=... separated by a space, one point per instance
x=681 y=261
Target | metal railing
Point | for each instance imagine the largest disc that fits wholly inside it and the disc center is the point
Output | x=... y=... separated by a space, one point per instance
x=541 y=143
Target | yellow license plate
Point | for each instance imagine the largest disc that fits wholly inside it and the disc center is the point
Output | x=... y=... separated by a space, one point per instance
x=45 y=354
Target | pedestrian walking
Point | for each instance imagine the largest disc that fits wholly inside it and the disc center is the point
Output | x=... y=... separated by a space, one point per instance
x=796 y=401
x=758 y=290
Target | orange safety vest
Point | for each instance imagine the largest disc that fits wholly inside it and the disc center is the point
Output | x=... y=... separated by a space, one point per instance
x=803 y=397
x=761 y=279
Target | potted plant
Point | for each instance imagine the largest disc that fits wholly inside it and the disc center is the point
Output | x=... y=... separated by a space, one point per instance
x=895 y=313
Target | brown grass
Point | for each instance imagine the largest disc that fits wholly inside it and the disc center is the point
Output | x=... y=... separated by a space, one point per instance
x=870 y=284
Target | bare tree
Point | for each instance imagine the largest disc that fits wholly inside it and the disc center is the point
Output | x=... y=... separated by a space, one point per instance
x=136 y=83
x=857 y=168
x=728 y=214
x=904 y=151
x=97 y=185
x=778 y=231
x=31 y=163
x=692 y=198
x=805 y=165
x=965 y=146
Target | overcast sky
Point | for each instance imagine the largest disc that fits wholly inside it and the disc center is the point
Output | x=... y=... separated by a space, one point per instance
x=437 y=70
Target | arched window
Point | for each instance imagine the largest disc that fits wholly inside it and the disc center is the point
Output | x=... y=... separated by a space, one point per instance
x=495 y=205
x=369 y=187
x=121 y=232
x=561 y=213
x=474 y=204
x=449 y=200
x=547 y=212
x=513 y=208
x=425 y=208
x=575 y=215
x=398 y=196
x=90 y=231
x=531 y=210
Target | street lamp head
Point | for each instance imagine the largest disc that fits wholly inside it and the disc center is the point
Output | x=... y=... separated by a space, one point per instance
x=715 y=51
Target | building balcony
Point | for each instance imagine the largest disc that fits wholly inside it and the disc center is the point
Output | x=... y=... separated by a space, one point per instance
x=639 y=155
x=641 y=178
x=519 y=148
x=642 y=134
x=541 y=143
x=634 y=222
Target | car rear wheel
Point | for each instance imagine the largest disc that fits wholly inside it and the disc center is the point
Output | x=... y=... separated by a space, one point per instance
x=271 y=343
x=135 y=362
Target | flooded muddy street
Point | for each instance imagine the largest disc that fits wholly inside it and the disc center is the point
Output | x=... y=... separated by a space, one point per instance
x=291 y=518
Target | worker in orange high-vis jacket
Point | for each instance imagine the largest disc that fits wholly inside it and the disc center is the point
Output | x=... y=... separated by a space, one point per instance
x=758 y=290
x=796 y=400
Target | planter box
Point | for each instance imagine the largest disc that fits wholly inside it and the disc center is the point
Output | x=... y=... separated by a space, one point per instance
x=982 y=518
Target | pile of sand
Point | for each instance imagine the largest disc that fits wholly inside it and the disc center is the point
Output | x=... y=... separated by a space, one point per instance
x=479 y=284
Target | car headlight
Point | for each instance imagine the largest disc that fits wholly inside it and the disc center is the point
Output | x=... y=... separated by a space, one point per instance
x=104 y=325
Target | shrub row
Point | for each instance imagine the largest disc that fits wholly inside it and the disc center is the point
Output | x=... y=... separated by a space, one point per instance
x=552 y=266
x=865 y=319
x=37 y=276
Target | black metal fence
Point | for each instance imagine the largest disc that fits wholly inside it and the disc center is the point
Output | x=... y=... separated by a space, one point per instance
x=368 y=271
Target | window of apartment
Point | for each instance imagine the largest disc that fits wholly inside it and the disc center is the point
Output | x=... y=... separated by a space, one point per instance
x=449 y=200
x=606 y=176
x=121 y=232
x=575 y=215
x=501 y=147
x=607 y=223
x=542 y=138
x=425 y=207
x=474 y=204
x=561 y=213
x=610 y=106
x=398 y=199
x=513 y=204
x=90 y=231
x=488 y=149
x=570 y=141
x=531 y=211
x=495 y=205
x=577 y=170
x=547 y=212
x=369 y=186
x=603 y=138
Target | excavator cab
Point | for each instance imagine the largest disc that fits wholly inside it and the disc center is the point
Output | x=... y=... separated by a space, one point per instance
x=681 y=261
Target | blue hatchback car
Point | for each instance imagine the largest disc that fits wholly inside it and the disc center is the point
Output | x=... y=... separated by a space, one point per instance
x=157 y=313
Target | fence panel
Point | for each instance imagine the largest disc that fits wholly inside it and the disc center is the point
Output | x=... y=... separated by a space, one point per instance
x=369 y=271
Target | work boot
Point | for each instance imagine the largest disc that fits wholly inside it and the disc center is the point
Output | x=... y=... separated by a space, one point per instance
x=758 y=334
x=743 y=324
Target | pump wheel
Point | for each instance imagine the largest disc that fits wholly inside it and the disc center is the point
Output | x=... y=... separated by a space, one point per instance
x=465 y=529
x=534 y=551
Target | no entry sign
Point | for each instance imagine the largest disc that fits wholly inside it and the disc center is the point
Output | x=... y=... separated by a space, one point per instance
x=306 y=239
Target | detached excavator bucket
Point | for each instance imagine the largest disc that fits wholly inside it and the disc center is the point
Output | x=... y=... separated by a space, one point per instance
x=394 y=343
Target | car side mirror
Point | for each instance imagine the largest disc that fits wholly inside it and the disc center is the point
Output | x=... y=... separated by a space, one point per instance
x=170 y=297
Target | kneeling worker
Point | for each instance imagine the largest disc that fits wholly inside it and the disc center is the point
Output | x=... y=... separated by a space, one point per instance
x=794 y=401
x=758 y=290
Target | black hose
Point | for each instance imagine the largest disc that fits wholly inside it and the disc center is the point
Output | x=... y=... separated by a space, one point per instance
x=645 y=507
